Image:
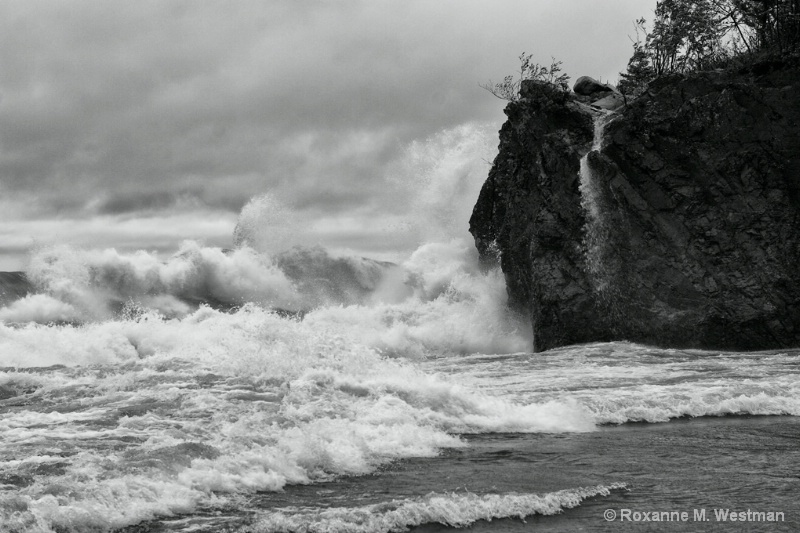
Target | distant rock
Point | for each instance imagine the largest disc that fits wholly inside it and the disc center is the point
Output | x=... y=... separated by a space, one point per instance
x=586 y=86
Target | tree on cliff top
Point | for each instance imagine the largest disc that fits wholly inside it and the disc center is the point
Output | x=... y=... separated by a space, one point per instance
x=639 y=72
x=689 y=35
x=686 y=35
x=776 y=23
x=509 y=88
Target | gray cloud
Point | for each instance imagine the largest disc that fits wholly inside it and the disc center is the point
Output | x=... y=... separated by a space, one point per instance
x=137 y=201
x=122 y=107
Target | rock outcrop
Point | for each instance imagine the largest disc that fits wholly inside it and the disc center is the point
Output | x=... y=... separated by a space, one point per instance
x=675 y=222
x=587 y=86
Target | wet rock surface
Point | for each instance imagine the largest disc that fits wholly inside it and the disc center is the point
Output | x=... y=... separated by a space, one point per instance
x=686 y=229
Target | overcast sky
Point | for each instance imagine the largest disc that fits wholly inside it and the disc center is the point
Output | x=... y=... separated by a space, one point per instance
x=140 y=124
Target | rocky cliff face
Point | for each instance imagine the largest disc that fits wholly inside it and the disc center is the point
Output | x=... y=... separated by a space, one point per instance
x=674 y=222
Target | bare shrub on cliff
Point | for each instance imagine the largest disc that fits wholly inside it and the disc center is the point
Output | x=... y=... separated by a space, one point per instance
x=508 y=89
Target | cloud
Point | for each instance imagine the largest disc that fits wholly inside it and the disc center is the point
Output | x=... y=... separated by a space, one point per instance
x=151 y=106
x=161 y=232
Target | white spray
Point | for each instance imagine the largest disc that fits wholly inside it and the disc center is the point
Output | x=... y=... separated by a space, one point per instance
x=596 y=228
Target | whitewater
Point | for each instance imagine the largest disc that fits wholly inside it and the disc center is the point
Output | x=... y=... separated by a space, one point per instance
x=270 y=387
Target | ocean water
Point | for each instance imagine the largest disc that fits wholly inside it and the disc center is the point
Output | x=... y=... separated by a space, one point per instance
x=128 y=406
x=271 y=388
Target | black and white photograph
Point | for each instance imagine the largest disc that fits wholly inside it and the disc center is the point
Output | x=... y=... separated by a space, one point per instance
x=385 y=266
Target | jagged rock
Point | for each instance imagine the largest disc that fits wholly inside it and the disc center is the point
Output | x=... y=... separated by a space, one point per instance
x=685 y=231
x=586 y=86
x=611 y=102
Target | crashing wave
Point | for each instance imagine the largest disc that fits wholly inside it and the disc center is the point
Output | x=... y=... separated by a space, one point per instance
x=453 y=510
x=174 y=415
x=65 y=284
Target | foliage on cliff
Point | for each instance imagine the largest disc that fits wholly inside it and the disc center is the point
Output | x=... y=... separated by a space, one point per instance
x=776 y=23
x=691 y=35
x=509 y=88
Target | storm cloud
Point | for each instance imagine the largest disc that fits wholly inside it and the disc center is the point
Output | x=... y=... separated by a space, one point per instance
x=123 y=115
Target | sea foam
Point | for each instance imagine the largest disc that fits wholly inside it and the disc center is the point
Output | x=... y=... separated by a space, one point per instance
x=159 y=416
x=450 y=509
x=621 y=382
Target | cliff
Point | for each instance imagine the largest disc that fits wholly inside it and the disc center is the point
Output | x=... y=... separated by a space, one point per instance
x=674 y=221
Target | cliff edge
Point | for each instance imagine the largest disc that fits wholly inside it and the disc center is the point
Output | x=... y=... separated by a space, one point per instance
x=672 y=221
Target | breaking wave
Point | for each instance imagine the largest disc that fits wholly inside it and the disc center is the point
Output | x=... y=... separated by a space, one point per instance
x=454 y=510
x=438 y=300
x=173 y=415
x=135 y=388
x=620 y=382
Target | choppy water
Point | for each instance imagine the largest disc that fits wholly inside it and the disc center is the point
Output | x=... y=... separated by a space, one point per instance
x=412 y=408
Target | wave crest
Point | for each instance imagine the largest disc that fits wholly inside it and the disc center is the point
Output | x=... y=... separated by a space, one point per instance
x=453 y=510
